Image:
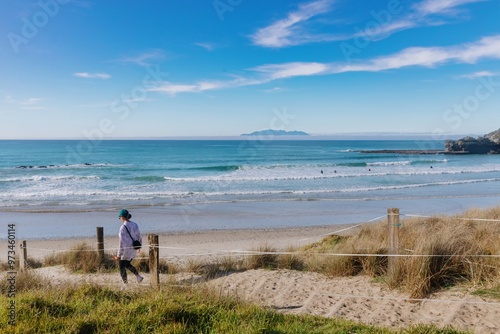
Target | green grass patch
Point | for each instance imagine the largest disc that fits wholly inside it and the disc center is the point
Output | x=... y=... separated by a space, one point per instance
x=326 y=244
x=489 y=293
x=94 y=309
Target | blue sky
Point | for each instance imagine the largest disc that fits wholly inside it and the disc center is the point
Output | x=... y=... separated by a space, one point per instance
x=115 y=69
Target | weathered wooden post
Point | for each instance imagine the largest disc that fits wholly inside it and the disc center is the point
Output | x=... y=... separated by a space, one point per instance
x=393 y=228
x=23 y=256
x=154 y=260
x=100 y=242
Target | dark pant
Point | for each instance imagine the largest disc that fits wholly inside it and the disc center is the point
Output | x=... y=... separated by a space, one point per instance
x=124 y=264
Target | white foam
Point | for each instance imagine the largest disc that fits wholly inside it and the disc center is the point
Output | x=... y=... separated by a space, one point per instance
x=37 y=178
x=79 y=195
x=389 y=163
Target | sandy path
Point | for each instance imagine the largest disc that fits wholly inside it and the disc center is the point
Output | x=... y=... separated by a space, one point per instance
x=354 y=298
x=359 y=299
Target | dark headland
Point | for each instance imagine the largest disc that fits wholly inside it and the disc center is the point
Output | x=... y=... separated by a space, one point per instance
x=487 y=144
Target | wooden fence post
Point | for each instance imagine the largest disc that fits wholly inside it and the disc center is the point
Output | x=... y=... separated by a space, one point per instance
x=393 y=229
x=154 y=260
x=23 y=256
x=100 y=242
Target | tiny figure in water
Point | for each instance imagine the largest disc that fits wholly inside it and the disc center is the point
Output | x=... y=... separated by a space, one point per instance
x=369 y=170
x=321 y=171
x=335 y=171
x=431 y=166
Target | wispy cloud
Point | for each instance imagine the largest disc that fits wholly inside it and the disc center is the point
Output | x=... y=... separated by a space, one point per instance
x=430 y=57
x=288 y=70
x=268 y=73
x=144 y=59
x=206 y=46
x=137 y=100
x=87 y=75
x=479 y=74
x=383 y=31
x=275 y=90
x=486 y=47
x=201 y=86
x=429 y=7
x=291 y=30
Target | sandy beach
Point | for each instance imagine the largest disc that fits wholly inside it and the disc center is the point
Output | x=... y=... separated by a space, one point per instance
x=356 y=298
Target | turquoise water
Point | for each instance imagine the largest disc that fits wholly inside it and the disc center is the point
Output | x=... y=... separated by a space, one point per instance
x=59 y=189
x=72 y=176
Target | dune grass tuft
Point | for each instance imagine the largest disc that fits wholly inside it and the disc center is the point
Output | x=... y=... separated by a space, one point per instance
x=142 y=265
x=291 y=259
x=25 y=281
x=216 y=268
x=82 y=258
x=265 y=258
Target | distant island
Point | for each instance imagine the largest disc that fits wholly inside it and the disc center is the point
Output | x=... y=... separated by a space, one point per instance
x=270 y=132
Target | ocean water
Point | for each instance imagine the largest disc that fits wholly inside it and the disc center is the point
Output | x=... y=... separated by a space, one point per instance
x=192 y=185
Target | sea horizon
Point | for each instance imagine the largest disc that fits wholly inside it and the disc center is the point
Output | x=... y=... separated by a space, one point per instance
x=376 y=136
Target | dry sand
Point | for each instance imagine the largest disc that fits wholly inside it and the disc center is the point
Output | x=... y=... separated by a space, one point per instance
x=356 y=298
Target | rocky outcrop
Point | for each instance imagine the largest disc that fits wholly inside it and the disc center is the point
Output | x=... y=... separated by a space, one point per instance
x=494 y=136
x=488 y=144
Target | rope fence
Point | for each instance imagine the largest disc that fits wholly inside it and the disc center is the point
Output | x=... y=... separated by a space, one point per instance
x=250 y=252
x=393 y=253
x=457 y=218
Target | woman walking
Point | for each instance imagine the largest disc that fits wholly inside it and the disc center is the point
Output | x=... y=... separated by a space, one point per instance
x=129 y=232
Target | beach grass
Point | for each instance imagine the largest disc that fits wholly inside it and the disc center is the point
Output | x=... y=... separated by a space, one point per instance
x=84 y=259
x=290 y=259
x=142 y=265
x=437 y=252
x=95 y=309
x=216 y=268
x=440 y=252
x=266 y=257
